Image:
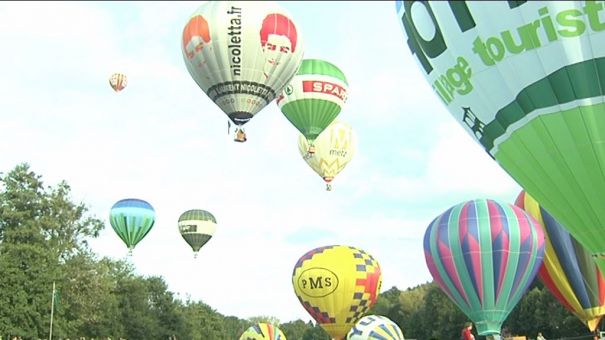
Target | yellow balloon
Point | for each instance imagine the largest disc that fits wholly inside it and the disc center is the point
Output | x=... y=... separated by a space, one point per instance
x=337 y=285
x=334 y=148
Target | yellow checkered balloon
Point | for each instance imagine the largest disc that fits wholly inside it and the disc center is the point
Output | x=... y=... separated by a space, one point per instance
x=337 y=285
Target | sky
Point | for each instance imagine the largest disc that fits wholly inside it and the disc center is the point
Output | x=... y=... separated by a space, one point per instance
x=164 y=141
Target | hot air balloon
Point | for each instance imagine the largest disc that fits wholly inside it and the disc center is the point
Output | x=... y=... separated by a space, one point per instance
x=484 y=255
x=241 y=54
x=197 y=227
x=263 y=331
x=337 y=285
x=375 y=327
x=132 y=219
x=526 y=79
x=118 y=81
x=314 y=97
x=334 y=149
x=569 y=272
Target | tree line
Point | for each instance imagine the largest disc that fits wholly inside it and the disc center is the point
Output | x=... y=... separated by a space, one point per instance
x=43 y=239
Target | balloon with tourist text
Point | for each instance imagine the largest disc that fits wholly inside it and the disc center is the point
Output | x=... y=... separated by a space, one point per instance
x=484 y=255
x=526 y=79
x=241 y=54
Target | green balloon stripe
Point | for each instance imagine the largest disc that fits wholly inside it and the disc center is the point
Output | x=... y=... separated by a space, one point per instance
x=197 y=214
x=196 y=240
x=572 y=82
x=504 y=300
x=131 y=229
x=316 y=66
x=558 y=156
x=311 y=116
x=485 y=240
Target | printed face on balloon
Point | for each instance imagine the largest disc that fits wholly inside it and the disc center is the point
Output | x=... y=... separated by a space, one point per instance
x=196 y=38
x=278 y=40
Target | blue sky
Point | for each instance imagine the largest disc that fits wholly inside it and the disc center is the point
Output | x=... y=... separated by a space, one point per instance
x=163 y=140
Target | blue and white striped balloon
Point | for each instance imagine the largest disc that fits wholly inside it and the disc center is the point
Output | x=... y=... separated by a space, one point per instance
x=375 y=327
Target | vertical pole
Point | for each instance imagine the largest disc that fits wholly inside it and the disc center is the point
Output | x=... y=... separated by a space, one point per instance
x=52 y=309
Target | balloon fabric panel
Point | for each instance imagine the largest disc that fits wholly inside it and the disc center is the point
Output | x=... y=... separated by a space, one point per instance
x=569 y=271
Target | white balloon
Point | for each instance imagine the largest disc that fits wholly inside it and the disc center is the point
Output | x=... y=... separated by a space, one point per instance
x=241 y=54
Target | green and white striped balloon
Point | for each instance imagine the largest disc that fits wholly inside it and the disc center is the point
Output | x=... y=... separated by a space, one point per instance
x=197 y=227
x=314 y=97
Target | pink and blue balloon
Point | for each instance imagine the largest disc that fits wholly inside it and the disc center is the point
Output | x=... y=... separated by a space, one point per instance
x=484 y=255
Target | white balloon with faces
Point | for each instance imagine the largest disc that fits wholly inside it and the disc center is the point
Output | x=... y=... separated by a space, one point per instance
x=241 y=54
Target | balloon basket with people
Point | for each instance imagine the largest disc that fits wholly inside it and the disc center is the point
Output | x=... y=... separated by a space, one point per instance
x=240 y=135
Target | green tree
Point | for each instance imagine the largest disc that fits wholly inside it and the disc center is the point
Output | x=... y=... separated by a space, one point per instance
x=40 y=229
x=203 y=322
x=295 y=329
x=235 y=326
x=438 y=317
x=163 y=308
x=264 y=318
x=316 y=333
x=89 y=305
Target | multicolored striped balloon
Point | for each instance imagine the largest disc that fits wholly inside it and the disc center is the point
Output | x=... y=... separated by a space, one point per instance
x=197 y=227
x=375 y=327
x=263 y=331
x=484 y=255
x=132 y=219
x=569 y=271
x=337 y=285
x=118 y=81
x=314 y=97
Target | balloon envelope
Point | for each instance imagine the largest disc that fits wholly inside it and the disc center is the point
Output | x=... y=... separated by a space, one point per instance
x=197 y=227
x=527 y=80
x=314 y=97
x=118 y=81
x=569 y=272
x=337 y=285
x=484 y=255
x=263 y=331
x=334 y=149
x=375 y=327
x=132 y=219
x=241 y=54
